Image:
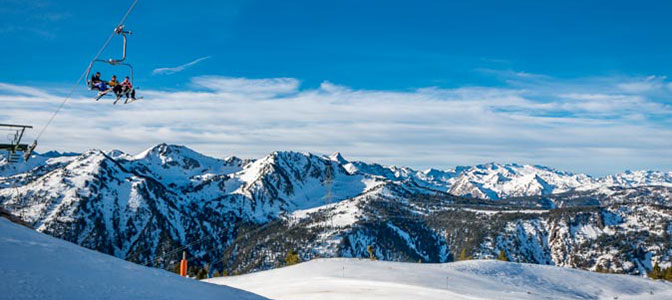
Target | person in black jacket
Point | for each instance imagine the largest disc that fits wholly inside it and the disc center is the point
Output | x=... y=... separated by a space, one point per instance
x=98 y=83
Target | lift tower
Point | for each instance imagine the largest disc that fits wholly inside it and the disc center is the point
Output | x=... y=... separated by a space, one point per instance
x=15 y=146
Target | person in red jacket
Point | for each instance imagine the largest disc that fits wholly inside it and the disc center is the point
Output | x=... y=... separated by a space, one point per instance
x=127 y=88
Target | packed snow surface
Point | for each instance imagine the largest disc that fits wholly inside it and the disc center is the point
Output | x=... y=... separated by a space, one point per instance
x=37 y=266
x=340 y=278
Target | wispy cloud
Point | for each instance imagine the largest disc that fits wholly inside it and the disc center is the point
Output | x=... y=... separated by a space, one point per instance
x=585 y=124
x=256 y=88
x=6 y=88
x=169 y=71
x=644 y=84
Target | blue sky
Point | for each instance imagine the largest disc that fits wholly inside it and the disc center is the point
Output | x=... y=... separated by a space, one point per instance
x=578 y=85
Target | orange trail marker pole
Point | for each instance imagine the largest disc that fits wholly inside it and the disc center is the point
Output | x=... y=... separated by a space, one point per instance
x=183 y=264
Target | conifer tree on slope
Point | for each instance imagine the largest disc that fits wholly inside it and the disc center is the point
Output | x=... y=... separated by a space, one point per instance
x=202 y=274
x=656 y=272
x=502 y=256
x=463 y=255
x=668 y=274
x=291 y=258
x=599 y=269
x=372 y=256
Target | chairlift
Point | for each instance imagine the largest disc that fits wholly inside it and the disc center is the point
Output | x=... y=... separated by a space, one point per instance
x=120 y=30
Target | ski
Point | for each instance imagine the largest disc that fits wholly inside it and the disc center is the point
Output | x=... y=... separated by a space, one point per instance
x=102 y=93
x=132 y=100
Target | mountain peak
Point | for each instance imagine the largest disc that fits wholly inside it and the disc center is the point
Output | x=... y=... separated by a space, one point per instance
x=490 y=166
x=52 y=154
x=165 y=150
x=114 y=153
x=337 y=157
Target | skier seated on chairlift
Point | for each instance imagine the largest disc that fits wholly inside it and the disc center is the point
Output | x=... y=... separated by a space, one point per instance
x=127 y=88
x=115 y=86
x=98 y=83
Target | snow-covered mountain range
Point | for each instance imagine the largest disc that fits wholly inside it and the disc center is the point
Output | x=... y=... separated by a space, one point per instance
x=487 y=181
x=244 y=214
x=499 y=181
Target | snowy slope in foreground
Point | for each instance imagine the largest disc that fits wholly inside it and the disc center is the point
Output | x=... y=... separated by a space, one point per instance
x=342 y=278
x=37 y=266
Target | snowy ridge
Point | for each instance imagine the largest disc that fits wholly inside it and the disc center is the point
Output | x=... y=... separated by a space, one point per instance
x=364 y=279
x=638 y=178
x=37 y=266
x=496 y=181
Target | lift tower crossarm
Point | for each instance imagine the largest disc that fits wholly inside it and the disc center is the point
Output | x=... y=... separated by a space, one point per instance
x=16 y=126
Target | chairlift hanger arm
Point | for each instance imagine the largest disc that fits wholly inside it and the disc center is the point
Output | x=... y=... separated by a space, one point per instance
x=120 y=31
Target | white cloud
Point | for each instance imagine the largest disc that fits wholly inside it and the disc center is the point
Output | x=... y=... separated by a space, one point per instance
x=249 y=87
x=643 y=85
x=563 y=124
x=173 y=70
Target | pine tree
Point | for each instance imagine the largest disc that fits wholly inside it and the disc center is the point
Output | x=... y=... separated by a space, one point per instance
x=599 y=269
x=202 y=274
x=656 y=272
x=372 y=256
x=291 y=258
x=463 y=255
x=668 y=274
x=192 y=271
x=502 y=256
